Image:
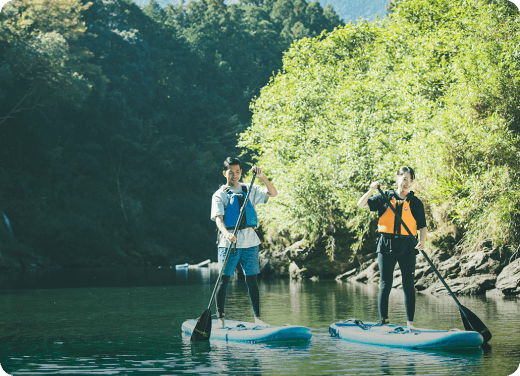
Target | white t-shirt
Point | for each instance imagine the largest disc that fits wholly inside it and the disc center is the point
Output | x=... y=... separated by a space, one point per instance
x=247 y=237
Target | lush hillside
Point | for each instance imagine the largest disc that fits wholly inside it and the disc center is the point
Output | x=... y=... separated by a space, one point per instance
x=435 y=86
x=115 y=120
x=347 y=10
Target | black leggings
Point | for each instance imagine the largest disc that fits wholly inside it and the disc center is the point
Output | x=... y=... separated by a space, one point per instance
x=387 y=263
x=252 y=286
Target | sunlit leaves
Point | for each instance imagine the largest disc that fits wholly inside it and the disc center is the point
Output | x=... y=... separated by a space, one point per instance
x=42 y=62
x=433 y=86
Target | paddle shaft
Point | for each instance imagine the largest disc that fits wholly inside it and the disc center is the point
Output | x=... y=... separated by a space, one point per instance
x=240 y=216
x=423 y=253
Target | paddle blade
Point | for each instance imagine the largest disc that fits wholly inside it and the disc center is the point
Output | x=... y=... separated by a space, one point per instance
x=202 y=329
x=472 y=322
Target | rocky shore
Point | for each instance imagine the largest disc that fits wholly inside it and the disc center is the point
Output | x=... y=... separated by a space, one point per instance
x=488 y=270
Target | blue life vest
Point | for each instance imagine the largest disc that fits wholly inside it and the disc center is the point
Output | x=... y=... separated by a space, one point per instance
x=232 y=212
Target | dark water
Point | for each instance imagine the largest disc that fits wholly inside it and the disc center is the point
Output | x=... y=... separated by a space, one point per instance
x=120 y=322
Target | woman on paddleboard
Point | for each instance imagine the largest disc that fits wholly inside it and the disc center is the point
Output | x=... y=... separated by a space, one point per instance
x=225 y=207
x=395 y=244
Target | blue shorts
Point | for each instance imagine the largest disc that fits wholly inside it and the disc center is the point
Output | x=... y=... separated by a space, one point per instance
x=248 y=258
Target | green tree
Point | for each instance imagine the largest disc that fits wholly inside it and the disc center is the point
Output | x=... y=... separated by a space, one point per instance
x=115 y=120
x=41 y=64
x=433 y=86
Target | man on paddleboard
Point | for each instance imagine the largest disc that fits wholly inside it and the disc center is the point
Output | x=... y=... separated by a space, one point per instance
x=395 y=245
x=225 y=207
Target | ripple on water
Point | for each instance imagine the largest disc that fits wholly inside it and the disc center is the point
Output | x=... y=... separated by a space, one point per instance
x=114 y=323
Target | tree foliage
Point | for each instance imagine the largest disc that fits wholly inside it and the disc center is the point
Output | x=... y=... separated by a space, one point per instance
x=434 y=85
x=114 y=120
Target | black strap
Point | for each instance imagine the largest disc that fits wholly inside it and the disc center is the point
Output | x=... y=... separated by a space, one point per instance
x=360 y=323
x=230 y=192
x=408 y=198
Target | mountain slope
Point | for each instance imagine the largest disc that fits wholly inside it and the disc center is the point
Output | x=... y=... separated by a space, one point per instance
x=348 y=10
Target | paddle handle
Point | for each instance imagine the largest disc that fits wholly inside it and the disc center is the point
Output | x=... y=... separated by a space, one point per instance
x=235 y=231
x=423 y=253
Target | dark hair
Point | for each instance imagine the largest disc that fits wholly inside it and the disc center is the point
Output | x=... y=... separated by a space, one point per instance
x=230 y=161
x=408 y=169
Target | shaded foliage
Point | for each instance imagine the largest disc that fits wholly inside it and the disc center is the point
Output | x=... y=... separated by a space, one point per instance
x=115 y=119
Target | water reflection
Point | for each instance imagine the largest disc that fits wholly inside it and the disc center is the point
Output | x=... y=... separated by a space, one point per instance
x=385 y=361
x=205 y=274
x=248 y=358
x=128 y=321
x=181 y=276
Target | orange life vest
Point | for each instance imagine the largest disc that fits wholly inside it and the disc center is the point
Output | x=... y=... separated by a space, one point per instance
x=386 y=223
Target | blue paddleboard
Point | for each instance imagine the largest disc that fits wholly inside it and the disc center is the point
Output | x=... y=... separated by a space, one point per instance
x=373 y=334
x=242 y=331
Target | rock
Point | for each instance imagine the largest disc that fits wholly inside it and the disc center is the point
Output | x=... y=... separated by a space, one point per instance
x=346 y=275
x=495 y=293
x=312 y=259
x=436 y=256
x=421 y=264
x=295 y=272
x=397 y=282
x=293 y=268
x=475 y=285
x=273 y=263
x=450 y=266
x=419 y=273
x=268 y=269
x=481 y=262
x=370 y=274
x=366 y=265
x=301 y=251
x=424 y=278
x=16 y=256
x=508 y=281
x=315 y=279
x=366 y=259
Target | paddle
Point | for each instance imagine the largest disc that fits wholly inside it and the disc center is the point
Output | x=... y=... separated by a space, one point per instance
x=469 y=319
x=202 y=329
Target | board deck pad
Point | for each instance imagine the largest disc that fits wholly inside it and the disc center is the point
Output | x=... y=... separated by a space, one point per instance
x=374 y=334
x=243 y=331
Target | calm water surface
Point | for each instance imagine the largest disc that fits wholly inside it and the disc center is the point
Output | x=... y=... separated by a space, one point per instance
x=127 y=321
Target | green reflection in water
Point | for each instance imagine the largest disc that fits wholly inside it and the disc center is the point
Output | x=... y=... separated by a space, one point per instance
x=128 y=321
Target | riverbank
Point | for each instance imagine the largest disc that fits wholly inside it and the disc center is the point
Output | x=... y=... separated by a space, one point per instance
x=17 y=257
x=489 y=271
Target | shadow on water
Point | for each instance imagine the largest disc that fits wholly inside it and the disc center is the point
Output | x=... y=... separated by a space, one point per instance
x=103 y=277
x=251 y=358
x=392 y=361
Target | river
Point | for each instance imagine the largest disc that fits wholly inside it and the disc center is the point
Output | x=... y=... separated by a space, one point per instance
x=127 y=321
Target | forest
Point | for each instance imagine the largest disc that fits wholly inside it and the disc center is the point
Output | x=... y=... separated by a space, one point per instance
x=347 y=10
x=434 y=85
x=115 y=120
